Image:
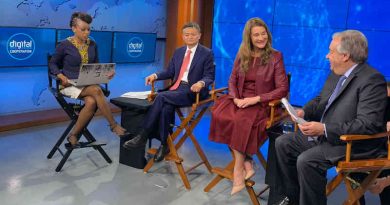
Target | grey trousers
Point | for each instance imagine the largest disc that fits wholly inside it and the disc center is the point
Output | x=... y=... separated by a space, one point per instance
x=303 y=167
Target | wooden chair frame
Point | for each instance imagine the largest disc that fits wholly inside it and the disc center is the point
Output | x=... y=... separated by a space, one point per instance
x=177 y=139
x=344 y=168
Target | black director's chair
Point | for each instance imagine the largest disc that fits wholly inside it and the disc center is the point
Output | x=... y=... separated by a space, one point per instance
x=72 y=109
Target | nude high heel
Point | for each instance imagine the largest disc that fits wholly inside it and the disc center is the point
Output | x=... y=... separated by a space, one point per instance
x=239 y=187
x=250 y=172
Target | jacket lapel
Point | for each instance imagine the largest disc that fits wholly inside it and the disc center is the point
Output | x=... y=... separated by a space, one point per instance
x=346 y=83
x=195 y=59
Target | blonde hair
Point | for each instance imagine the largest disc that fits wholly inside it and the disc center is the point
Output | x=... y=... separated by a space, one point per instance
x=247 y=48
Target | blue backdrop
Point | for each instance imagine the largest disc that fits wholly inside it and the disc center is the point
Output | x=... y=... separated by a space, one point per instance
x=302 y=30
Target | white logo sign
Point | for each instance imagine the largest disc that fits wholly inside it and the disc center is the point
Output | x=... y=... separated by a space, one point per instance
x=20 y=46
x=135 y=47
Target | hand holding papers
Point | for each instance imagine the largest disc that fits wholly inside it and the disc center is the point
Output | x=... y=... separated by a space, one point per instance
x=292 y=112
x=137 y=95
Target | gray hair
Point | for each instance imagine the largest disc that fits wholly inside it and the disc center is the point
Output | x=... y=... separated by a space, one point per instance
x=354 y=43
x=191 y=25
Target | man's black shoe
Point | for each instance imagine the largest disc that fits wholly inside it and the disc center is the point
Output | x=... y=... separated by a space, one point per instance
x=284 y=201
x=138 y=141
x=161 y=152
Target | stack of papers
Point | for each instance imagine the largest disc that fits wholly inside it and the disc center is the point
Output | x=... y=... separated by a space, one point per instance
x=137 y=95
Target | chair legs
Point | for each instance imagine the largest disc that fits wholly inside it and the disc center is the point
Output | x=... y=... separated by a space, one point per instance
x=351 y=196
x=227 y=173
x=63 y=160
x=334 y=183
x=354 y=194
x=171 y=156
x=251 y=192
x=98 y=147
x=187 y=124
x=174 y=156
x=201 y=153
x=222 y=173
x=61 y=139
x=91 y=141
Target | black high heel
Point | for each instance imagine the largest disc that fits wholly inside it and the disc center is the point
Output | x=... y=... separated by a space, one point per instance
x=70 y=144
x=113 y=127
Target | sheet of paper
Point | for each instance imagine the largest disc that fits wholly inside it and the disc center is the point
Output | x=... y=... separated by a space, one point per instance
x=137 y=95
x=292 y=112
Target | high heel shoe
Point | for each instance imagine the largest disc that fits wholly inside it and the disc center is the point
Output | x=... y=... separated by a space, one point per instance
x=73 y=141
x=239 y=187
x=250 y=172
x=118 y=130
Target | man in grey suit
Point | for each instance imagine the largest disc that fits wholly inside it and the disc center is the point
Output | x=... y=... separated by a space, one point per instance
x=352 y=101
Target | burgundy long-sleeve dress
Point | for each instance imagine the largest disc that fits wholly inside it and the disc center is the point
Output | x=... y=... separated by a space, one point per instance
x=243 y=129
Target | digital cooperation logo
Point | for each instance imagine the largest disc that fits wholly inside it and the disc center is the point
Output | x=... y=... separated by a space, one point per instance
x=135 y=47
x=20 y=46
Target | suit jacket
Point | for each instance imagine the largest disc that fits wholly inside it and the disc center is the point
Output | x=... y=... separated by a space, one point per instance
x=271 y=79
x=202 y=67
x=67 y=59
x=359 y=108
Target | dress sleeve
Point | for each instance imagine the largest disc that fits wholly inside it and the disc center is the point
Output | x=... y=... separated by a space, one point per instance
x=280 y=81
x=233 y=80
x=56 y=61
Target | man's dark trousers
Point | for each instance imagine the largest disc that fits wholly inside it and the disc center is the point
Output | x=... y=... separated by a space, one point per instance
x=163 y=109
x=303 y=164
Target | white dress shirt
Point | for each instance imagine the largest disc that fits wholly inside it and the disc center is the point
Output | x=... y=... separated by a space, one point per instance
x=185 y=75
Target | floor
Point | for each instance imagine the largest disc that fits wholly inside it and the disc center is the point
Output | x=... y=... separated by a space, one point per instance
x=28 y=177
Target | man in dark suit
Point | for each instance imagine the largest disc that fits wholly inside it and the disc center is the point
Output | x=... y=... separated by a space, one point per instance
x=352 y=101
x=192 y=69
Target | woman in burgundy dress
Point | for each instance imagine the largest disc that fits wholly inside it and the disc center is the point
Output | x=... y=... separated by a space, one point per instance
x=239 y=118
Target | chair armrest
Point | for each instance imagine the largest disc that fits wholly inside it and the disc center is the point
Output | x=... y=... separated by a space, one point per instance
x=274 y=103
x=350 y=138
x=273 y=116
x=199 y=103
x=51 y=78
x=219 y=90
x=153 y=93
x=214 y=93
x=364 y=137
x=57 y=84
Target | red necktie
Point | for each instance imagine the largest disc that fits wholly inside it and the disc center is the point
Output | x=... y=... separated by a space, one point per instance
x=183 y=68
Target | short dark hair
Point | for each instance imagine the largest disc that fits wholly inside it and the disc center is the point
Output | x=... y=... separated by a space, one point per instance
x=191 y=25
x=80 y=15
x=388 y=84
